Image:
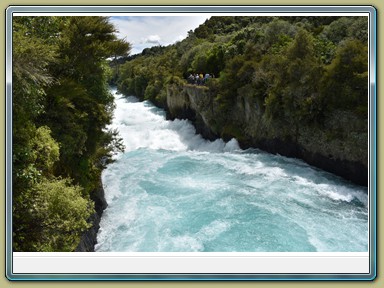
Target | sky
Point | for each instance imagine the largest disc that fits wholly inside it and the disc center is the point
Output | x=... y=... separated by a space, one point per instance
x=147 y=31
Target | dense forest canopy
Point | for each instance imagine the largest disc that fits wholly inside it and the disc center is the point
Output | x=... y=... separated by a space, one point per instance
x=61 y=106
x=298 y=68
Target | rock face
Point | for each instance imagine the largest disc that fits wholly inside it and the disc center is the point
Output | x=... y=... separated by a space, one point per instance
x=339 y=146
x=89 y=238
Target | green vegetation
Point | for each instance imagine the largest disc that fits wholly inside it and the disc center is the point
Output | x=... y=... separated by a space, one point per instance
x=307 y=73
x=61 y=106
x=300 y=71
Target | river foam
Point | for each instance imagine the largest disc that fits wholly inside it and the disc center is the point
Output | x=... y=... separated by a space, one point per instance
x=172 y=190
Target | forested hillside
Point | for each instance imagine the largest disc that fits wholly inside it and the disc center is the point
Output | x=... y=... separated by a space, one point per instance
x=61 y=106
x=325 y=56
x=297 y=86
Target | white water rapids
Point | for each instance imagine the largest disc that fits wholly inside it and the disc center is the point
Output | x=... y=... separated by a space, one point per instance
x=171 y=190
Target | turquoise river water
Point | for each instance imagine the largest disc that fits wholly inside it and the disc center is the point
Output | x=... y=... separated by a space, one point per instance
x=173 y=191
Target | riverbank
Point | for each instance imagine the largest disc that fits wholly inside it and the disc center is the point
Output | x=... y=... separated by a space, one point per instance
x=329 y=147
x=89 y=237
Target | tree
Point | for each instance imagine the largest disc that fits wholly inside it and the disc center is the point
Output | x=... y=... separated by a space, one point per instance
x=345 y=82
x=80 y=105
x=34 y=49
x=61 y=106
x=120 y=49
x=58 y=215
x=294 y=81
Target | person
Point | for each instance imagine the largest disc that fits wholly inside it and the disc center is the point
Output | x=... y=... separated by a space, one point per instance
x=197 y=81
x=191 y=79
x=206 y=77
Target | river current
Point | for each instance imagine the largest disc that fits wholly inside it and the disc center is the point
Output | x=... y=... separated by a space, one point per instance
x=173 y=191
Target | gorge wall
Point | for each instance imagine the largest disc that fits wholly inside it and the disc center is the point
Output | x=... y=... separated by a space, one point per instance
x=338 y=146
x=89 y=237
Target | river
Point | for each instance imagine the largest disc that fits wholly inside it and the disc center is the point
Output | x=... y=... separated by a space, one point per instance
x=173 y=191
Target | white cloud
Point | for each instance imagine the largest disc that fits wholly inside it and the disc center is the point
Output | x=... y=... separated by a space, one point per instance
x=153 y=39
x=147 y=31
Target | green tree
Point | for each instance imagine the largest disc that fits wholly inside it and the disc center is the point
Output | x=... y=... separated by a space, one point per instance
x=58 y=215
x=61 y=106
x=120 y=49
x=34 y=49
x=45 y=150
x=345 y=82
x=79 y=106
x=294 y=82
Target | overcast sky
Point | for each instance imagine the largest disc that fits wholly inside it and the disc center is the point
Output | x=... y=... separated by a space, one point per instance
x=147 y=31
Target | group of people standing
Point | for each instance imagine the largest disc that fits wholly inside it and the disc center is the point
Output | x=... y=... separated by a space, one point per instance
x=199 y=79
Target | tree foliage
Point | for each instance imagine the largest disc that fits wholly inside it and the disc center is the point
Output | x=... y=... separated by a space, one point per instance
x=56 y=213
x=61 y=106
x=299 y=69
x=346 y=78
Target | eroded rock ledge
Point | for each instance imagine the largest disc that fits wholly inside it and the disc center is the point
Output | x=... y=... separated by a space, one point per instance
x=89 y=238
x=335 y=147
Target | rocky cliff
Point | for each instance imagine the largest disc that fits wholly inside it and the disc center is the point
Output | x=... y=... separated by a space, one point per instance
x=339 y=145
x=89 y=237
